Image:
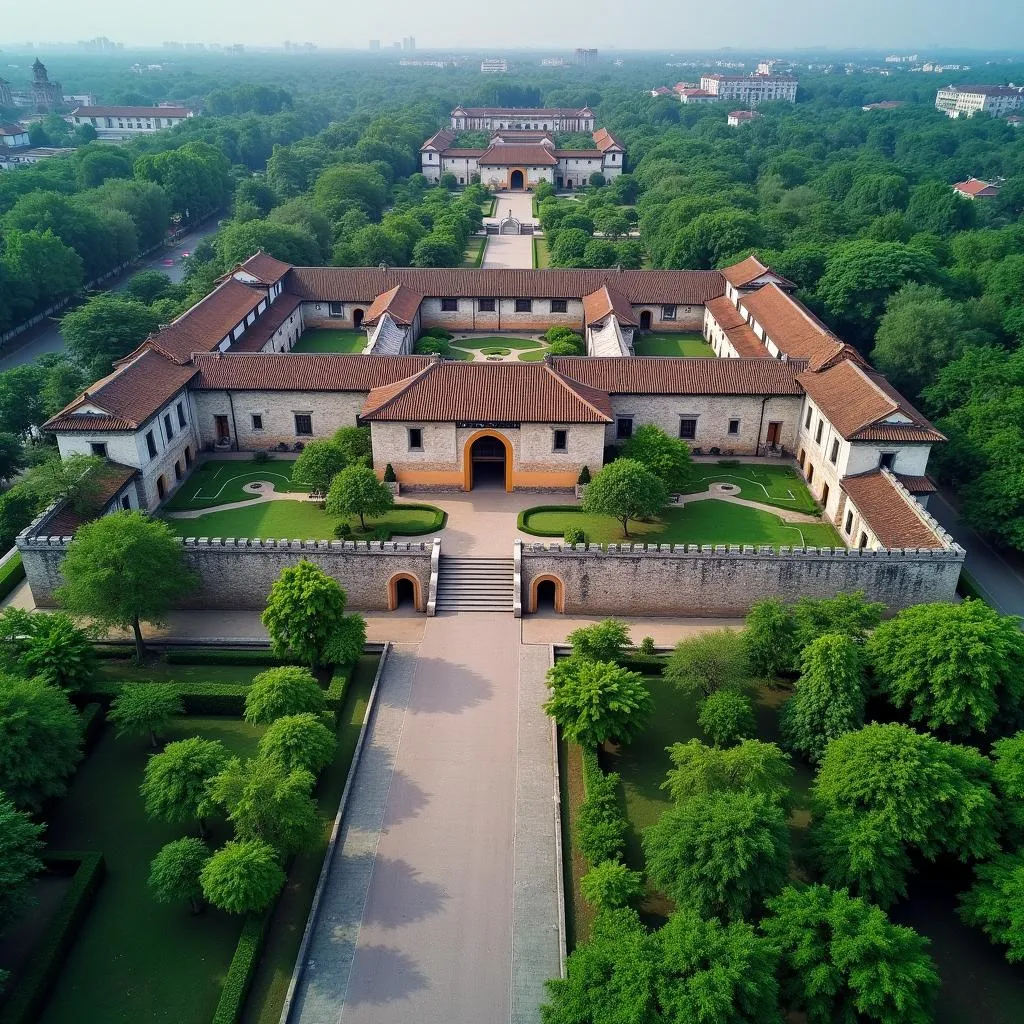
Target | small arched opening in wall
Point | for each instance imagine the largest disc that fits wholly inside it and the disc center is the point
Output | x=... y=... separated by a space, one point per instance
x=547 y=593
x=404 y=592
x=517 y=180
x=357 y=318
x=489 y=454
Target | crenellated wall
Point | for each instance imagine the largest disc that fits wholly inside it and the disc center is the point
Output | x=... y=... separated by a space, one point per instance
x=238 y=574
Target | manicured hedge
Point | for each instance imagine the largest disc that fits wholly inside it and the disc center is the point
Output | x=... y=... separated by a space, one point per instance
x=36 y=981
x=522 y=526
x=120 y=652
x=198 y=698
x=199 y=656
x=11 y=574
x=601 y=825
x=243 y=966
x=437 y=523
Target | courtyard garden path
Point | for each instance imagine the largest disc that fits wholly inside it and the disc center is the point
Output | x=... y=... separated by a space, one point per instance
x=510 y=251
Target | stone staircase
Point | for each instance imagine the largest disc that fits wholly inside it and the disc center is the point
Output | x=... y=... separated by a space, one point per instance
x=474 y=584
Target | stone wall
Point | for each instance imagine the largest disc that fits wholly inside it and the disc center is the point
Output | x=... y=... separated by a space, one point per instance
x=238 y=574
x=726 y=581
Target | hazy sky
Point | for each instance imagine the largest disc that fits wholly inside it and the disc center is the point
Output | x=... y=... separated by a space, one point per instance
x=913 y=25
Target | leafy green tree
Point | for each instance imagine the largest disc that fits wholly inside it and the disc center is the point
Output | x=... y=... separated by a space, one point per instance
x=18 y=507
x=348 y=640
x=689 y=970
x=319 y=463
x=437 y=249
x=278 y=692
x=598 y=701
x=727 y=717
x=175 y=871
x=298 y=741
x=954 y=666
x=995 y=903
x=145 y=709
x=829 y=696
x=712 y=237
x=20 y=846
x=350 y=187
x=76 y=479
x=567 y=347
x=666 y=457
x=715 y=660
x=770 y=638
x=147 y=286
x=305 y=608
x=842 y=960
x=106 y=328
x=844 y=613
x=356 y=491
x=124 y=569
x=54 y=649
x=12 y=455
x=174 y=786
x=42 y=741
x=885 y=792
x=195 y=176
x=720 y=854
x=611 y=885
x=1008 y=774
x=236 y=242
x=604 y=641
x=43 y=265
x=936 y=208
x=700 y=771
x=242 y=877
x=355 y=444
x=301 y=213
x=625 y=490
x=266 y=802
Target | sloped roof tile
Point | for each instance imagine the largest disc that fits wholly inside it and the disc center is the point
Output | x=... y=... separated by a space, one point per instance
x=890 y=516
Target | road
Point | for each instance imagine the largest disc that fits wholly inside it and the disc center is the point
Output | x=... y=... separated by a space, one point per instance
x=46 y=336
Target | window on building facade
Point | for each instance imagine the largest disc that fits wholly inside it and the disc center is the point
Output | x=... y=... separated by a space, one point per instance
x=818 y=430
x=524 y=305
x=449 y=305
x=668 y=312
x=177 y=469
x=336 y=309
x=559 y=305
x=833 y=456
x=99 y=449
x=807 y=419
x=150 y=444
x=161 y=487
x=188 y=455
x=863 y=542
x=416 y=439
x=126 y=502
x=887 y=459
x=687 y=428
x=181 y=415
x=167 y=425
x=257 y=421
x=624 y=428
x=848 y=526
x=303 y=423
x=560 y=443
x=734 y=426
x=824 y=495
x=486 y=305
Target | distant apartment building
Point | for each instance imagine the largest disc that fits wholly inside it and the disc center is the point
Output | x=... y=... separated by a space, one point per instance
x=750 y=89
x=127 y=122
x=374 y=46
x=408 y=42
x=694 y=95
x=968 y=100
x=739 y=117
x=529 y=119
x=585 y=56
x=494 y=66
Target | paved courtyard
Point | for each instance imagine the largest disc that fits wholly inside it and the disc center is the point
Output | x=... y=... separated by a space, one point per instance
x=515 y=251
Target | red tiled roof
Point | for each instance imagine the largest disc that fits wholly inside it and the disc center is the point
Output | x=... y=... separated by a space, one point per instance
x=737 y=330
x=440 y=140
x=976 y=187
x=12 y=129
x=132 y=112
x=656 y=287
x=790 y=324
x=126 y=398
x=917 y=484
x=889 y=515
x=501 y=154
x=507 y=392
x=605 y=300
x=576 y=154
x=262 y=331
x=604 y=140
x=858 y=402
x=669 y=375
x=206 y=324
x=401 y=302
x=111 y=477
x=289 y=371
x=265 y=268
x=739 y=275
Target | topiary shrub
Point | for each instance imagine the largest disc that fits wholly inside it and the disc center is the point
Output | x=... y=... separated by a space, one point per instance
x=260 y=456
x=568 y=346
x=601 y=826
x=574 y=535
x=611 y=885
x=343 y=531
x=438 y=332
x=389 y=474
x=646 y=647
x=584 y=477
x=727 y=718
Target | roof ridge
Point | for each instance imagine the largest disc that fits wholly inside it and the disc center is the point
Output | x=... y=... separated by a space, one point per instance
x=565 y=382
x=398 y=388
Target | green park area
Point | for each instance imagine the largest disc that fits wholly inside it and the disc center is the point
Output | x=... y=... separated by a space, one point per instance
x=700 y=522
x=325 y=339
x=779 y=485
x=541 y=256
x=220 y=482
x=671 y=345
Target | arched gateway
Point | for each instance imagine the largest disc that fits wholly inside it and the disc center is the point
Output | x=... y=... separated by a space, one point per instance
x=486 y=458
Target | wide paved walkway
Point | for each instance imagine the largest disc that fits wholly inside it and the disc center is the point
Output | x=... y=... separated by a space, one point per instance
x=515 y=251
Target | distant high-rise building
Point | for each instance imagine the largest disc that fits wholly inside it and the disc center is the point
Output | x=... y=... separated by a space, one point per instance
x=409 y=43
x=494 y=66
x=584 y=56
x=374 y=46
x=968 y=100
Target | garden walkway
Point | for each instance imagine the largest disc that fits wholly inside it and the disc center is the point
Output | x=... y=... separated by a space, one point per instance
x=716 y=492
x=264 y=492
x=510 y=251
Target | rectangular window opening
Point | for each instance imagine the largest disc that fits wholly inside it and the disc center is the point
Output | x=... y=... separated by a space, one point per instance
x=416 y=439
x=559 y=305
x=668 y=312
x=687 y=429
x=887 y=460
x=524 y=305
x=807 y=419
x=734 y=426
x=560 y=442
x=849 y=523
x=167 y=426
x=817 y=432
x=181 y=415
x=150 y=444
x=257 y=421
x=624 y=428
x=303 y=424
x=449 y=305
x=833 y=456
x=486 y=305
x=99 y=449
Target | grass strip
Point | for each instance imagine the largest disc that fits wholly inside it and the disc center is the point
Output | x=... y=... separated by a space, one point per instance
x=11 y=574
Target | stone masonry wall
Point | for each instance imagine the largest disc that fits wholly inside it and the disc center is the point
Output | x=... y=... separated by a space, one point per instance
x=726 y=581
x=239 y=573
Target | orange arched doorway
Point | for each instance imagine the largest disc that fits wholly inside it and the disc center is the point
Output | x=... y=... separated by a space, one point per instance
x=545 y=589
x=517 y=180
x=402 y=585
x=485 y=454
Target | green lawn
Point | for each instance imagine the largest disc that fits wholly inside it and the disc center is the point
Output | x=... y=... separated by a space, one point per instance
x=159 y=671
x=532 y=357
x=135 y=959
x=671 y=345
x=324 y=339
x=781 y=485
x=701 y=522
x=296 y=520
x=270 y=984
x=489 y=341
x=474 y=254
x=541 y=256
x=220 y=481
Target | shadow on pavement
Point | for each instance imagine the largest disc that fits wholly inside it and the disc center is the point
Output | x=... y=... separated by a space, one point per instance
x=405 y=896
